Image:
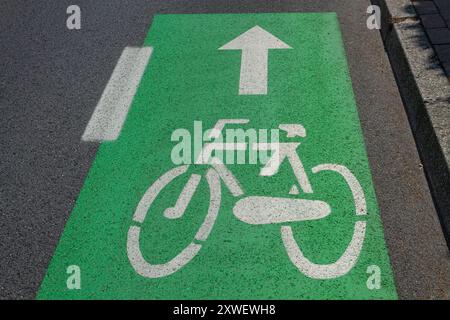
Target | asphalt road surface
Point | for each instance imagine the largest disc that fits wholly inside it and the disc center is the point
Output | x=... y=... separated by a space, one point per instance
x=52 y=79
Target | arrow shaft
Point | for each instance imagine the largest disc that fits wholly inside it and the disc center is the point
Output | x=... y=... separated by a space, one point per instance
x=253 y=78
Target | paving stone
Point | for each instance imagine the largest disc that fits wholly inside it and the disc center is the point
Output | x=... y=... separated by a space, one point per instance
x=425 y=7
x=433 y=21
x=443 y=52
x=445 y=13
x=439 y=35
x=441 y=4
x=446 y=66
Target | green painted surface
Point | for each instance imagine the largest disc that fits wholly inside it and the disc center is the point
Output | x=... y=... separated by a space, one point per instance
x=188 y=79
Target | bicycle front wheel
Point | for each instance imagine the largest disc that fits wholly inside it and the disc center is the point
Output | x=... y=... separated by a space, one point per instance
x=135 y=256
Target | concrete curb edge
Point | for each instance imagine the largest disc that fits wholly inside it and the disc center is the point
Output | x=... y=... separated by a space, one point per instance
x=425 y=91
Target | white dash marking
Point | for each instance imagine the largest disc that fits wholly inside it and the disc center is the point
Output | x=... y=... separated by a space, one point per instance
x=111 y=111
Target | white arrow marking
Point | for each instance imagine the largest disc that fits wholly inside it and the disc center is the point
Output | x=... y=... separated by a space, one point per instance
x=255 y=45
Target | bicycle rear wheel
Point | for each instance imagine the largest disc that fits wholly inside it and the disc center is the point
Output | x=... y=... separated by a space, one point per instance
x=348 y=259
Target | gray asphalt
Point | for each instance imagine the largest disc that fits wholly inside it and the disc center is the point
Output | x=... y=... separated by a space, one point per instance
x=51 y=79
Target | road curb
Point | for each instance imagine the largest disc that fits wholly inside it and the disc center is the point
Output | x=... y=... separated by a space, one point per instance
x=425 y=92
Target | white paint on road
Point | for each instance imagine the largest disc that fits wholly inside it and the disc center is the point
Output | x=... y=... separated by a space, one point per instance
x=352 y=182
x=325 y=271
x=270 y=210
x=112 y=109
x=255 y=45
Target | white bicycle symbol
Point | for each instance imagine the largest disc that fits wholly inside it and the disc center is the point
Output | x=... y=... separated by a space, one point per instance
x=253 y=210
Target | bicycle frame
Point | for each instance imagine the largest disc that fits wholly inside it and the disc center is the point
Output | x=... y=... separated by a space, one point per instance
x=280 y=151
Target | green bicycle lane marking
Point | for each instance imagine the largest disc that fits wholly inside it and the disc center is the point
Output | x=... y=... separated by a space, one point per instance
x=188 y=79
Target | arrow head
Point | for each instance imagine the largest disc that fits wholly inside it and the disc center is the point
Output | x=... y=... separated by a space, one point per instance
x=255 y=38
